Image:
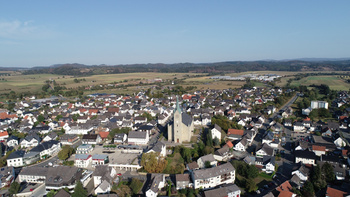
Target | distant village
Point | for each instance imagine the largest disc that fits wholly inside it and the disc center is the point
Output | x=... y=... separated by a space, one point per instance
x=104 y=139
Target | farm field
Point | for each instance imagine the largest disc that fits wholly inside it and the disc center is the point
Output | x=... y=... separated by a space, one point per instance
x=333 y=82
x=34 y=83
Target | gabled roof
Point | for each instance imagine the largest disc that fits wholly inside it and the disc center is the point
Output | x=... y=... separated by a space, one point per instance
x=331 y=192
x=235 y=132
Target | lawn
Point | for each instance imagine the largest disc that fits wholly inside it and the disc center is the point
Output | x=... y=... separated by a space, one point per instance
x=333 y=82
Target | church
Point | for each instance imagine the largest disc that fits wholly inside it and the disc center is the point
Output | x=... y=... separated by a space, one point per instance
x=181 y=128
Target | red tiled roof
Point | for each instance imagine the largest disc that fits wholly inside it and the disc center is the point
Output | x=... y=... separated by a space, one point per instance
x=331 y=192
x=284 y=187
x=4 y=115
x=318 y=148
x=229 y=144
x=2 y=134
x=235 y=132
x=104 y=134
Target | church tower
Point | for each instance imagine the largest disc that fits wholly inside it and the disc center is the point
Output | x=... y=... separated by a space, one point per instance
x=177 y=122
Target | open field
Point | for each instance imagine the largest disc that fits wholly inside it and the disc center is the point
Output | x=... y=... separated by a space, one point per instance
x=333 y=82
x=33 y=83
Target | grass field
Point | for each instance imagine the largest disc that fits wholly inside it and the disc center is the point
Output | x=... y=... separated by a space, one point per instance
x=33 y=83
x=333 y=82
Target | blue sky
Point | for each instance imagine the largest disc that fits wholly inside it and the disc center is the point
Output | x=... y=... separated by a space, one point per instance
x=42 y=33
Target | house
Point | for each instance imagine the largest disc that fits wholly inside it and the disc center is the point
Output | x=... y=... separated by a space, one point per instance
x=136 y=137
x=82 y=160
x=7 y=176
x=216 y=132
x=340 y=142
x=235 y=134
x=298 y=127
x=61 y=177
x=103 y=179
x=103 y=135
x=319 y=150
x=288 y=123
x=267 y=162
x=331 y=192
x=207 y=160
x=265 y=149
x=285 y=189
x=12 y=141
x=91 y=139
x=120 y=138
x=212 y=177
x=305 y=157
x=302 y=172
x=250 y=160
x=84 y=149
x=68 y=139
x=182 y=181
x=50 y=136
x=3 y=136
x=223 y=154
x=301 y=145
x=47 y=149
x=55 y=178
x=157 y=182
x=231 y=190
x=192 y=166
x=240 y=145
x=160 y=148
x=98 y=160
x=30 y=140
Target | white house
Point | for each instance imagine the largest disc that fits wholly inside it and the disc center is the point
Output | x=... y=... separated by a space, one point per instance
x=265 y=150
x=305 y=157
x=212 y=177
x=207 y=158
x=340 y=142
x=302 y=172
x=157 y=183
x=82 y=160
x=136 y=137
x=231 y=190
x=216 y=132
x=160 y=148
x=15 y=159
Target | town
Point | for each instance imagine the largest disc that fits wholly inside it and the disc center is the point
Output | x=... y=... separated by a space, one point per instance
x=250 y=141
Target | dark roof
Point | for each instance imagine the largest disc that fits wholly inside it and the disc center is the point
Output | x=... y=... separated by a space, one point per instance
x=137 y=134
x=16 y=154
x=90 y=137
x=44 y=146
x=213 y=172
x=182 y=177
x=305 y=154
x=186 y=119
x=62 y=193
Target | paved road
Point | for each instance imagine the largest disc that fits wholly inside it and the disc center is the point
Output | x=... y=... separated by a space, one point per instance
x=285 y=106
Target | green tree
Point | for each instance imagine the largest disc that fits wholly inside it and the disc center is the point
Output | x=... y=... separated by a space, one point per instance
x=79 y=190
x=14 y=188
x=216 y=141
x=328 y=172
x=51 y=193
x=186 y=153
x=308 y=189
x=252 y=172
x=65 y=153
x=250 y=185
x=135 y=185
x=41 y=118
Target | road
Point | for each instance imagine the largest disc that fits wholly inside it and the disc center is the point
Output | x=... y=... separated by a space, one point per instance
x=54 y=159
x=285 y=106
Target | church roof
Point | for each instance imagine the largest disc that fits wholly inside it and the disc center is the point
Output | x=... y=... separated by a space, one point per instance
x=177 y=106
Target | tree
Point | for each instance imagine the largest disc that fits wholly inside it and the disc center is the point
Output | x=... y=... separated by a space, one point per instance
x=79 y=190
x=41 y=118
x=216 y=141
x=316 y=177
x=252 y=172
x=14 y=188
x=135 y=185
x=250 y=185
x=328 y=172
x=65 y=153
x=308 y=189
x=51 y=193
x=153 y=163
x=207 y=164
x=186 y=154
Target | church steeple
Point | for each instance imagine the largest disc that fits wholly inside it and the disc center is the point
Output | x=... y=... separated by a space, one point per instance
x=177 y=105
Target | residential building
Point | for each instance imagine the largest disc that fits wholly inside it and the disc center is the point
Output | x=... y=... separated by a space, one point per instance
x=91 y=139
x=98 y=160
x=82 y=160
x=182 y=181
x=84 y=149
x=216 y=132
x=230 y=190
x=103 y=179
x=137 y=137
x=7 y=176
x=157 y=183
x=202 y=161
x=212 y=177
x=305 y=157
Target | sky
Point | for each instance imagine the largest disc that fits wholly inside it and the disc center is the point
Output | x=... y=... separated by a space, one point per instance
x=43 y=33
